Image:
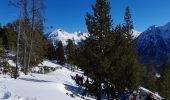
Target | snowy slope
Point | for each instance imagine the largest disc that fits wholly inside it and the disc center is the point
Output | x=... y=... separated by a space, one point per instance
x=61 y=35
x=154 y=44
x=146 y=91
x=52 y=86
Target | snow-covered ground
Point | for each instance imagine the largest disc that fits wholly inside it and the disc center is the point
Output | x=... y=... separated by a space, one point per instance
x=56 y=85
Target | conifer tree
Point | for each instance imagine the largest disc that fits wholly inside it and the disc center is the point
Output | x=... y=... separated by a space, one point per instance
x=60 y=53
x=128 y=25
x=71 y=53
x=51 y=52
x=11 y=35
x=111 y=52
x=131 y=64
x=165 y=82
x=92 y=54
x=148 y=77
x=4 y=36
x=3 y=57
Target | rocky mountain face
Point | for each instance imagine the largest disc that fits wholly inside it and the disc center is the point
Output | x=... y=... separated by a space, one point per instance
x=153 y=45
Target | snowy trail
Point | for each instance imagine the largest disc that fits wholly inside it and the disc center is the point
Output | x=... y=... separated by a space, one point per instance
x=38 y=86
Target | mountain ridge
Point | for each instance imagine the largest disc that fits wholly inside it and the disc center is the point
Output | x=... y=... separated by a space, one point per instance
x=153 y=45
x=62 y=35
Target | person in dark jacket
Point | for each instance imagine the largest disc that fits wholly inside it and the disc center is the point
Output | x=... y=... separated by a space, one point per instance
x=86 y=85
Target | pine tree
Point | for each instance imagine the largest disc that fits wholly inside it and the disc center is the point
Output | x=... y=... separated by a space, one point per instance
x=51 y=52
x=111 y=52
x=166 y=85
x=128 y=25
x=71 y=53
x=165 y=82
x=92 y=57
x=132 y=63
x=3 y=57
x=148 y=77
x=4 y=36
x=60 y=53
x=10 y=34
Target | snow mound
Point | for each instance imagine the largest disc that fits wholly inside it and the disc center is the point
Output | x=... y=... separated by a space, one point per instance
x=49 y=63
x=11 y=63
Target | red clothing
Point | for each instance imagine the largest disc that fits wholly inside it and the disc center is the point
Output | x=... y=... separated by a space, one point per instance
x=134 y=98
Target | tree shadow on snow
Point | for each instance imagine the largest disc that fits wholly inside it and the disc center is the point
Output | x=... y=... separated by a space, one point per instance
x=33 y=80
x=75 y=90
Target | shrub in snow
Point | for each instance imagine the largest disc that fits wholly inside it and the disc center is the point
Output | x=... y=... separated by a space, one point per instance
x=43 y=69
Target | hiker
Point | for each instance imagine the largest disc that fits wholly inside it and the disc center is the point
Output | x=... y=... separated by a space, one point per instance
x=77 y=79
x=124 y=96
x=150 y=96
x=81 y=80
x=133 y=96
x=86 y=85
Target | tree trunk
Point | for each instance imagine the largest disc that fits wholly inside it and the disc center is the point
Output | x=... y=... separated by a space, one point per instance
x=32 y=31
x=17 y=53
x=25 y=60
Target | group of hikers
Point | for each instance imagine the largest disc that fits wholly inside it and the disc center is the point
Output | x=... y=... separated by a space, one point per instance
x=81 y=82
x=135 y=95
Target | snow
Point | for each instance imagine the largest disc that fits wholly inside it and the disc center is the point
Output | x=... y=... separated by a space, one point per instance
x=146 y=91
x=11 y=63
x=49 y=64
x=61 y=35
x=52 y=86
x=11 y=54
x=136 y=34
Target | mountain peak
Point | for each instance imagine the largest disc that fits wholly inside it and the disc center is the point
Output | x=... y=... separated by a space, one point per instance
x=152 y=27
x=136 y=34
x=61 y=35
x=166 y=27
x=168 y=24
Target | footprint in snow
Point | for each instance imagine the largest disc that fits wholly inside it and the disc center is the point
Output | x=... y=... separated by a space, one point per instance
x=7 y=95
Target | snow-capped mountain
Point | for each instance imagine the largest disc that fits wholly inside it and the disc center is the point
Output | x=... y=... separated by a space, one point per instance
x=136 y=34
x=154 y=44
x=61 y=35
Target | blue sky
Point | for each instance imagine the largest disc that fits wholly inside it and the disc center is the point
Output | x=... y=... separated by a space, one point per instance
x=70 y=14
